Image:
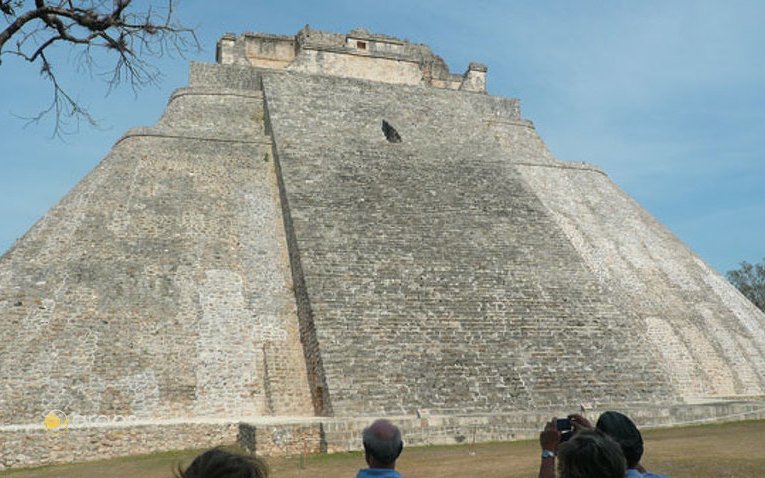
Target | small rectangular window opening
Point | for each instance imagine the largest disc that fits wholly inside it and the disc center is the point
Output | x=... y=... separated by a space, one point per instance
x=361 y=45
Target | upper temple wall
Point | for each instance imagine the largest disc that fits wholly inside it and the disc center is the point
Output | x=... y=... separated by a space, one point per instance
x=357 y=54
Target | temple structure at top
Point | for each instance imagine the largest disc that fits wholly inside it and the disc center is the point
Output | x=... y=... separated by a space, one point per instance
x=358 y=54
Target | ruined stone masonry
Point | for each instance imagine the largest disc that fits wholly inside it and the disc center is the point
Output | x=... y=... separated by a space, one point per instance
x=327 y=227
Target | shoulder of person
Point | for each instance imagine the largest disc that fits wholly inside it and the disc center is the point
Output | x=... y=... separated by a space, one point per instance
x=378 y=473
x=647 y=474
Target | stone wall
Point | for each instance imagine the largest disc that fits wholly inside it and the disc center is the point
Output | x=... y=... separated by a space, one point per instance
x=436 y=279
x=261 y=50
x=389 y=70
x=36 y=446
x=710 y=337
x=280 y=436
x=463 y=430
x=160 y=286
x=229 y=77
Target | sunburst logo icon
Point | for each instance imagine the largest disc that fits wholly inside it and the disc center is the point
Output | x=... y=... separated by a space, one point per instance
x=56 y=421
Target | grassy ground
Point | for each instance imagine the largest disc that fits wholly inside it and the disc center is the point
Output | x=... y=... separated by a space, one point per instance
x=728 y=450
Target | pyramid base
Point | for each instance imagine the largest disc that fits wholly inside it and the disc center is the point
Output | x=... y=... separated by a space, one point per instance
x=33 y=445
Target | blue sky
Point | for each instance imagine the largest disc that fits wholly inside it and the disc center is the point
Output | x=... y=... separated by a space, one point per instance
x=668 y=97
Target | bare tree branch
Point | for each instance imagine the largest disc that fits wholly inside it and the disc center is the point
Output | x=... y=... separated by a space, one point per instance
x=128 y=37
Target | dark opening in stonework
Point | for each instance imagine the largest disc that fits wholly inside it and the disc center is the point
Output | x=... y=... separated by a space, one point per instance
x=390 y=133
x=362 y=45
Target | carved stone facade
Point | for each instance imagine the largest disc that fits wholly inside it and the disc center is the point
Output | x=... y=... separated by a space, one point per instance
x=358 y=54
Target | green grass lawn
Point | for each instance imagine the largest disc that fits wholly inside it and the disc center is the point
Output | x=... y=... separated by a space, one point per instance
x=727 y=450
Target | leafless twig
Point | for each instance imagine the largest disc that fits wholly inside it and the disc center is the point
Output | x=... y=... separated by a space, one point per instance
x=109 y=28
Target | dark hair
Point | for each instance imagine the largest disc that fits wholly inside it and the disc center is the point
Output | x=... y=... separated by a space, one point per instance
x=219 y=463
x=383 y=441
x=591 y=454
x=619 y=427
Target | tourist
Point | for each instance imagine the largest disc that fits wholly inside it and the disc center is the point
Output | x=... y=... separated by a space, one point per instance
x=591 y=454
x=619 y=427
x=218 y=463
x=616 y=425
x=588 y=454
x=382 y=447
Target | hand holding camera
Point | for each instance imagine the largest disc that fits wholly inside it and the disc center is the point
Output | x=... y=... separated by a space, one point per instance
x=550 y=437
x=566 y=428
x=559 y=430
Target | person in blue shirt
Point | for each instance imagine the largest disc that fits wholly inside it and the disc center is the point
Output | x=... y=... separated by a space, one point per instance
x=382 y=447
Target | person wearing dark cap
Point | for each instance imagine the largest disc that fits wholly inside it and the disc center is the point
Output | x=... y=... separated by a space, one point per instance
x=382 y=447
x=619 y=427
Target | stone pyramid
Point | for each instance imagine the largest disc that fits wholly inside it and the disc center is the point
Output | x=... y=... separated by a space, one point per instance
x=325 y=226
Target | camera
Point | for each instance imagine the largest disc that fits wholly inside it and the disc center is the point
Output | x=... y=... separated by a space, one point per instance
x=565 y=427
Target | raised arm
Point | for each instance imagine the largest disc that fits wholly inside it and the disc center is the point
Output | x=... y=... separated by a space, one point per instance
x=549 y=439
